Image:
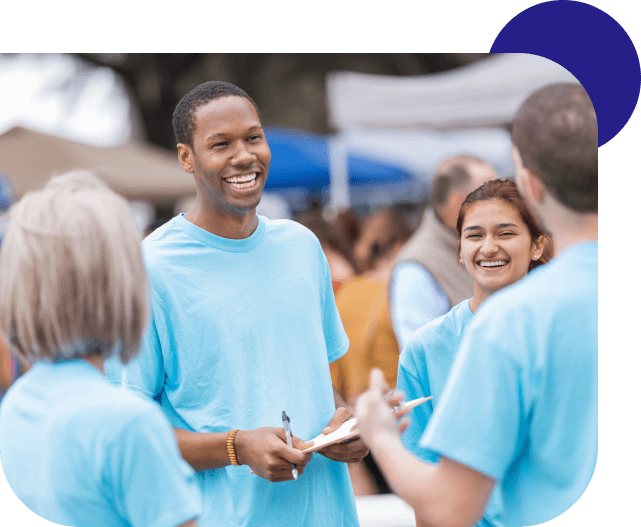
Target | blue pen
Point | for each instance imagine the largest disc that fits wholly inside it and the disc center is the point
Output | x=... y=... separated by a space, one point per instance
x=288 y=435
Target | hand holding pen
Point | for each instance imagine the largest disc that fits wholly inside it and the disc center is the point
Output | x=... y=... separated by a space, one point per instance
x=266 y=452
x=288 y=435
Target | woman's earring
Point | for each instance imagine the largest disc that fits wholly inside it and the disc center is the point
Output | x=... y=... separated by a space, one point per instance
x=461 y=260
x=536 y=256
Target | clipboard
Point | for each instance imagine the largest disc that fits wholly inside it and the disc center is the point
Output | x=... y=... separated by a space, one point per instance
x=349 y=429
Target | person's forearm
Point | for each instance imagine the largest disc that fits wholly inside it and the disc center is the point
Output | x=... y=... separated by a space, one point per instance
x=203 y=451
x=412 y=480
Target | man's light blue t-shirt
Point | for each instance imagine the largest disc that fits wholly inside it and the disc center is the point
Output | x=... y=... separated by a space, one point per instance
x=521 y=401
x=78 y=451
x=241 y=331
x=423 y=368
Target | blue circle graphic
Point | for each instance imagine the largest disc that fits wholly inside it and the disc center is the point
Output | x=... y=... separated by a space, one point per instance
x=591 y=45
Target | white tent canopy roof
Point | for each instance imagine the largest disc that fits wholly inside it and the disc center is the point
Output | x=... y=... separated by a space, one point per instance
x=486 y=93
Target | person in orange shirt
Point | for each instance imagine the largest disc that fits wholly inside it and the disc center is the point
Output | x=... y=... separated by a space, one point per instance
x=363 y=306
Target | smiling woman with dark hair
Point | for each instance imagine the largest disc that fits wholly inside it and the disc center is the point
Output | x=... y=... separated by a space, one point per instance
x=500 y=260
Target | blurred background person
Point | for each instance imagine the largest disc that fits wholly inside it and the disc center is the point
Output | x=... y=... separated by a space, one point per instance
x=347 y=225
x=426 y=280
x=501 y=244
x=363 y=307
x=9 y=367
x=335 y=246
x=76 y=450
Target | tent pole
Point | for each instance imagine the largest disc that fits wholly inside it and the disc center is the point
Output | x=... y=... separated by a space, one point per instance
x=338 y=175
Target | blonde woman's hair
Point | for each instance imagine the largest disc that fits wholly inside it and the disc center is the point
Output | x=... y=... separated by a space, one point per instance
x=72 y=279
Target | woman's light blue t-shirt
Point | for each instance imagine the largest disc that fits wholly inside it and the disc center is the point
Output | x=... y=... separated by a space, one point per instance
x=423 y=369
x=241 y=331
x=78 y=451
x=521 y=401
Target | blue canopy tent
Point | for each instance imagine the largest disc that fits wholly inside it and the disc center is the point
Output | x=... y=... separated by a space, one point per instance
x=373 y=167
x=300 y=169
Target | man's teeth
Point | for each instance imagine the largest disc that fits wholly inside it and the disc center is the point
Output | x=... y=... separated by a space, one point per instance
x=492 y=264
x=242 y=181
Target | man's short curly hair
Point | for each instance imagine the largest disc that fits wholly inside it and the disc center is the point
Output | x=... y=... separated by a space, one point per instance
x=555 y=132
x=184 y=118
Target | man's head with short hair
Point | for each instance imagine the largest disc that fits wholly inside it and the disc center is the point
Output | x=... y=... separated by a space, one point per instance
x=184 y=119
x=72 y=279
x=556 y=137
x=454 y=179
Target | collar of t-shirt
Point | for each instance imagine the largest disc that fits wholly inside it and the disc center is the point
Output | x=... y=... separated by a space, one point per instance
x=225 y=244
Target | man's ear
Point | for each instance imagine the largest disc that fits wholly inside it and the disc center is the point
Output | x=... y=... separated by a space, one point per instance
x=534 y=185
x=186 y=157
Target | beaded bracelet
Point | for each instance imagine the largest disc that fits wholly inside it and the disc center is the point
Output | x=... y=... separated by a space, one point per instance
x=231 y=449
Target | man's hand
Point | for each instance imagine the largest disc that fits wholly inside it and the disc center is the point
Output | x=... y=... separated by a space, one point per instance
x=349 y=451
x=265 y=450
x=374 y=414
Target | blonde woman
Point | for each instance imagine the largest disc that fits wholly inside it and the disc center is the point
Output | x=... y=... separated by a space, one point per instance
x=75 y=449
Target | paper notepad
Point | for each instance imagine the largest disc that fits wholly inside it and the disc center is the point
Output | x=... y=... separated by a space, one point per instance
x=349 y=429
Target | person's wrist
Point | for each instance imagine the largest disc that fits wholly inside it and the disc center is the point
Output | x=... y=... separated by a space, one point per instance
x=231 y=445
x=384 y=440
x=239 y=446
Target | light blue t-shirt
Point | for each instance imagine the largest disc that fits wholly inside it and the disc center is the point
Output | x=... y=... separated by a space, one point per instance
x=423 y=368
x=241 y=331
x=415 y=300
x=521 y=401
x=78 y=451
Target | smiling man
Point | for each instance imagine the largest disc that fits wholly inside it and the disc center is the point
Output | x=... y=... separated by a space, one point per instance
x=244 y=325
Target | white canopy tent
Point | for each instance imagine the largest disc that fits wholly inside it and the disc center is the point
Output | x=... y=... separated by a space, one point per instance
x=485 y=93
x=415 y=122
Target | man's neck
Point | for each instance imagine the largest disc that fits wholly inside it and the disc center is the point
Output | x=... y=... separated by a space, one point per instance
x=571 y=228
x=232 y=226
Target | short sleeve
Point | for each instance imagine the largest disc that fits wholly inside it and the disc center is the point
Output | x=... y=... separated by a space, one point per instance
x=152 y=485
x=415 y=300
x=410 y=383
x=478 y=418
x=336 y=339
x=145 y=373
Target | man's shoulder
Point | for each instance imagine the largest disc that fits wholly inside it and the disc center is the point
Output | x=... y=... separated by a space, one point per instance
x=560 y=281
x=164 y=236
x=520 y=299
x=167 y=229
x=287 y=228
x=549 y=293
x=290 y=236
